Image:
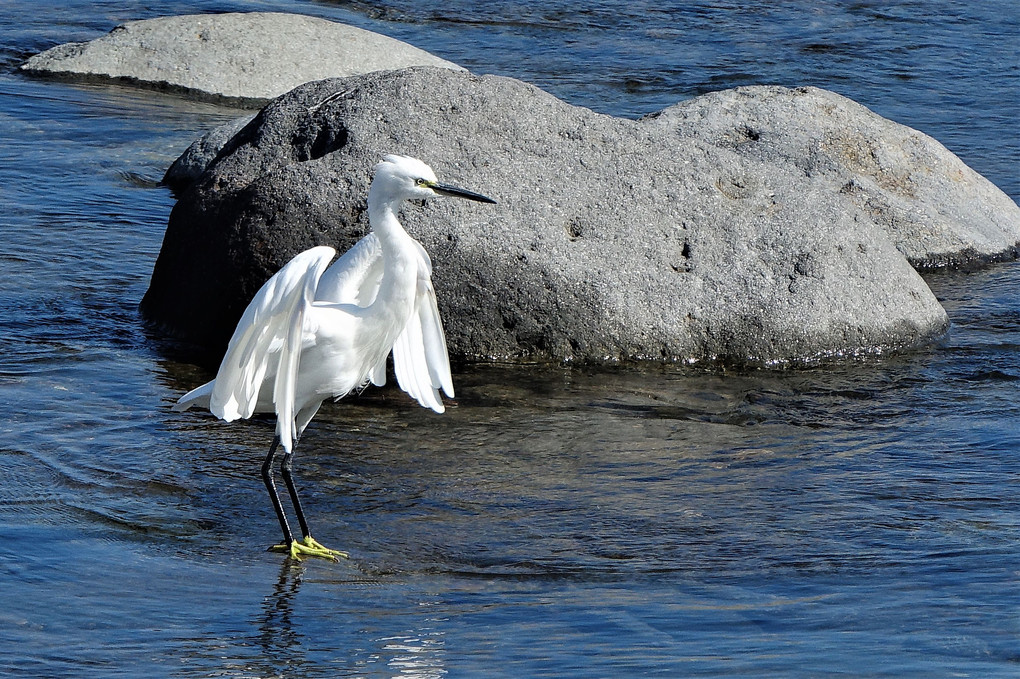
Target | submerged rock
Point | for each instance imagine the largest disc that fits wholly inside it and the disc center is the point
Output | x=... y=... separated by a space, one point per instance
x=613 y=239
x=248 y=58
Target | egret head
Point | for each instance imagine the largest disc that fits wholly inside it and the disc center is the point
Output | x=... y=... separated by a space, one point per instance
x=403 y=177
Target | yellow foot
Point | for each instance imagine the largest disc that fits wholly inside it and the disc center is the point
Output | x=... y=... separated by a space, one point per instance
x=309 y=546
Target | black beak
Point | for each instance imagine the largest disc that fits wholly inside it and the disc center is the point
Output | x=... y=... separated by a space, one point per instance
x=448 y=190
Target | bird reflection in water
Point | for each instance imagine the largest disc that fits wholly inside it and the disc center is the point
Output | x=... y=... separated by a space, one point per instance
x=415 y=654
x=280 y=642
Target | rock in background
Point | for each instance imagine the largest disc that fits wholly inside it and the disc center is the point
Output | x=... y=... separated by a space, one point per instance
x=762 y=224
x=244 y=58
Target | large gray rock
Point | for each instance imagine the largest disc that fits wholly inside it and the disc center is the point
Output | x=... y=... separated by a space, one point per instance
x=612 y=239
x=244 y=57
x=936 y=209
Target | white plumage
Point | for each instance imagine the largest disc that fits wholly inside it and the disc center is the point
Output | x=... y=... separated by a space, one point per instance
x=316 y=331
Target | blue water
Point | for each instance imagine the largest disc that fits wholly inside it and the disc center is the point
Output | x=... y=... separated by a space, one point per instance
x=858 y=520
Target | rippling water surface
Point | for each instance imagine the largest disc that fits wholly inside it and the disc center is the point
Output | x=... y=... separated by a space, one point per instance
x=858 y=519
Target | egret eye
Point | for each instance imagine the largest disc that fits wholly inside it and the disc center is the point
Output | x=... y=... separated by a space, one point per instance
x=420 y=181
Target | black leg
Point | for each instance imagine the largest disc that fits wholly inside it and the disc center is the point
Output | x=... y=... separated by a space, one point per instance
x=285 y=471
x=267 y=478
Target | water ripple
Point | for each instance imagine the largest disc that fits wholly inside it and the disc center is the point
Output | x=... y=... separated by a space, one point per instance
x=858 y=518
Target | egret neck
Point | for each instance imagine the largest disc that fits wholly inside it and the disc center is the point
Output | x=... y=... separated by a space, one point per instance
x=400 y=267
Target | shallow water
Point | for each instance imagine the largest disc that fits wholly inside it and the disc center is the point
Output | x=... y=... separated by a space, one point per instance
x=857 y=519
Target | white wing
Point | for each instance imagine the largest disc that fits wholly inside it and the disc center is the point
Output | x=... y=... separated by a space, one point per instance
x=355 y=279
x=420 y=358
x=268 y=340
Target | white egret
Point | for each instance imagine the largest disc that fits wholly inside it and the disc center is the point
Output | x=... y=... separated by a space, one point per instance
x=315 y=331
